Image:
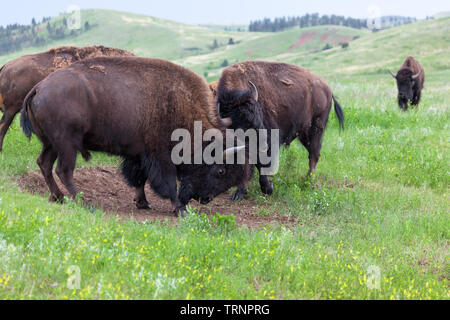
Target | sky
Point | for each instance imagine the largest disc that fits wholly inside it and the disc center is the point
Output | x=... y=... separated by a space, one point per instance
x=223 y=12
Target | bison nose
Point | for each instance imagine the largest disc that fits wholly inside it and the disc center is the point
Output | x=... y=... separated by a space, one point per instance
x=206 y=200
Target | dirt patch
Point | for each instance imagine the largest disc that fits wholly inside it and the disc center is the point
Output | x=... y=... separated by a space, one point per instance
x=105 y=189
x=305 y=38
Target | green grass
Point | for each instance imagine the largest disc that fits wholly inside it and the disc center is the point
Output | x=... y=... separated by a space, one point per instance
x=378 y=201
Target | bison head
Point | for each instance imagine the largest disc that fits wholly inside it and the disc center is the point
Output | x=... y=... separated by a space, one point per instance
x=205 y=182
x=241 y=107
x=405 y=82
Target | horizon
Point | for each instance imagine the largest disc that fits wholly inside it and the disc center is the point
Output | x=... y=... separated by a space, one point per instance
x=195 y=13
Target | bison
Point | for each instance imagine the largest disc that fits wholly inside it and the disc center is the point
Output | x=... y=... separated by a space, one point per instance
x=268 y=95
x=19 y=76
x=128 y=107
x=410 y=79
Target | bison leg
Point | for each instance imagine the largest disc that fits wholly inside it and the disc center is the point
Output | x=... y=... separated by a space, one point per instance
x=402 y=103
x=140 y=199
x=265 y=183
x=313 y=141
x=5 y=123
x=162 y=176
x=66 y=165
x=314 y=151
x=241 y=190
x=416 y=99
x=136 y=176
x=45 y=161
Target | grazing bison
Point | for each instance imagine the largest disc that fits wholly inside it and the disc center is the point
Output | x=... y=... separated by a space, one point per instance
x=128 y=107
x=410 y=79
x=267 y=95
x=19 y=76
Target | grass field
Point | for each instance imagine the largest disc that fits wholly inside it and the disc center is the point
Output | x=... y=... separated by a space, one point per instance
x=373 y=223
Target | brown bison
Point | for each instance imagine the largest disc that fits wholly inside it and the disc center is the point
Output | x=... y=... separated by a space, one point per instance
x=410 y=79
x=128 y=107
x=19 y=76
x=267 y=95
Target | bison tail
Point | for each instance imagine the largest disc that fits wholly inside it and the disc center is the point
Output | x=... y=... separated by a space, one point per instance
x=339 y=113
x=25 y=122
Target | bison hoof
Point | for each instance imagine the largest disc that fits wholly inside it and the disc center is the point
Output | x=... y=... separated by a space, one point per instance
x=238 y=195
x=57 y=199
x=181 y=213
x=143 y=205
x=267 y=188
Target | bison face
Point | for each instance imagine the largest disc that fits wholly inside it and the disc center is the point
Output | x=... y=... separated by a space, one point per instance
x=405 y=83
x=242 y=107
x=205 y=182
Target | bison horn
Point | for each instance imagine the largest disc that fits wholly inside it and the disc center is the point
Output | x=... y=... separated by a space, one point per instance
x=256 y=96
x=227 y=122
x=415 y=76
x=392 y=74
x=231 y=151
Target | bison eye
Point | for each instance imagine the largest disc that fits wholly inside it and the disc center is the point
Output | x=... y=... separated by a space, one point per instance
x=221 y=172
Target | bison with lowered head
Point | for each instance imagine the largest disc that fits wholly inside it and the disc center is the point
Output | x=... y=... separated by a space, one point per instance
x=410 y=79
x=19 y=76
x=128 y=107
x=267 y=95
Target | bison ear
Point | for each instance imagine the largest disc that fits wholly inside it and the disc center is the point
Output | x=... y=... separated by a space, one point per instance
x=392 y=74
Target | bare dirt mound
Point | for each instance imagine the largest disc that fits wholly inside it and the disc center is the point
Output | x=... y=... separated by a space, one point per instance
x=305 y=38
x=105 y=189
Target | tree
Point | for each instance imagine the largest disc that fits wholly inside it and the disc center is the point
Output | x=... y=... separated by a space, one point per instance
x=231 y=42
x=327 y=47
x=215 y=45
x=224 y=63
x=87 y=26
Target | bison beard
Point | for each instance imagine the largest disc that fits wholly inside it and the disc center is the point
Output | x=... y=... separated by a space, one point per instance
x=266 y=95
x=80 y=109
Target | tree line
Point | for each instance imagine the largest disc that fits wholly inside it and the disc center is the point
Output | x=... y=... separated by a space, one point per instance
x=15 y=37
x=307 y=20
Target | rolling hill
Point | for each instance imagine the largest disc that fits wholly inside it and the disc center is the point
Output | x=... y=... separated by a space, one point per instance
x=190 y=45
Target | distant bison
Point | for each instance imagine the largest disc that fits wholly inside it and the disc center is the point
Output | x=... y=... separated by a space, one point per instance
x=267 y=95
x=410 y=79
x=128 y=107
x=19 y=76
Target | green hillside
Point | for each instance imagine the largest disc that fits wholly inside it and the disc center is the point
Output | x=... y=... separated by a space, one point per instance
x=190 y=45
x=145 y=36
x=273 y=46
x=428 y=41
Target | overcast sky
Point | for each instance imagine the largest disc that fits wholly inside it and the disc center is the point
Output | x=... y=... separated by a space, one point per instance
x=224 y=11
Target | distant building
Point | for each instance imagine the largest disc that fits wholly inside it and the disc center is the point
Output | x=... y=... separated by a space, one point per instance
x=387 y=22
